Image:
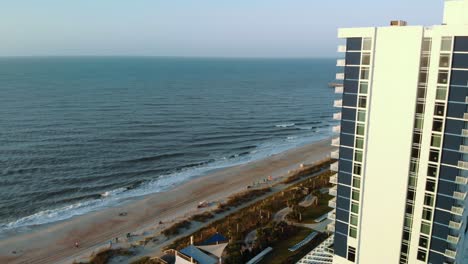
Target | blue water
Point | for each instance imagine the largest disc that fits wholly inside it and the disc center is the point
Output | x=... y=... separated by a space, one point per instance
x=79 y=134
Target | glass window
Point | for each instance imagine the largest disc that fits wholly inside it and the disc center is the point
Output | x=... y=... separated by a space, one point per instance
x=406 y=235
x=353 y=220
x=430 y=185
x=419 y=108
x=444 y=60
x=355 y=195
x=432 y=170
x=362 y=102
x=437 y=125
x=429 y=199
x=367 y=44
x=446 y=44
x=436 y=140
x=417 y=138
x=410 y=194
x=422 y=254
x=439 y=109
x=352 y=232
x=414 y=166
x=443 y=77
x=418 y=123
x=425 y=61
x=434 y=155
x=412 y=181
x=361 y=115
x=365 y=73
x=359 y=143
x=441 y=93
x=357 y=169
x=415 y=152
x=351 y=254
x=358 y=155
x=427 y=214
x=360 y=129
x=425 y=228
x=363 y=87
x=423 y=77
x=421 y=92
x=426 y=45
x=355 y=207
x=356 y=182
x=408 y=221
x=424 y=241
x=366 y=58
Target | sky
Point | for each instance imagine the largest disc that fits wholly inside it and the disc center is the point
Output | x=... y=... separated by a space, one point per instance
x=200 y=28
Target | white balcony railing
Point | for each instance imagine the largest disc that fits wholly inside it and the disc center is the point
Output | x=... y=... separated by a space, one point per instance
x=339 y=89
x=338 y=103
x=336 y=129
x=340 y=63
x=337 y=116
x=453 y=239
x=465 y=115
x=336 y=142
x=463 y=164
x=334 y=166
x=455 y=225
x=331 y=227
x=341 y=48
x=450 y=253
x=461 y=180
x=335 y=154
x=334 y=179
x=464 y=149
x=465 y=132
x=457 y=210
x=332 y=215
x=332 y=203
x=333 y=191
x=459 y=195
x=340 y=76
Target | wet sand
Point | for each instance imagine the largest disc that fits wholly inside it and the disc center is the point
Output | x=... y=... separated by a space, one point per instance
x=55 y=243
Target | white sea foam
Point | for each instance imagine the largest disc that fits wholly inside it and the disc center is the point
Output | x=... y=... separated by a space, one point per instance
x=164 y=182
x=285 y=125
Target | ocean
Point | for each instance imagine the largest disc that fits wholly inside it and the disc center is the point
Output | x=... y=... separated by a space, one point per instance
x=78 y=134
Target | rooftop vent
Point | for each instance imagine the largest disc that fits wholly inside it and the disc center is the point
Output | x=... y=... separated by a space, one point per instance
x=398 y=23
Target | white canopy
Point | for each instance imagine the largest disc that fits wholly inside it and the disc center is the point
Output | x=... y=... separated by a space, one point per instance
x=216 y=250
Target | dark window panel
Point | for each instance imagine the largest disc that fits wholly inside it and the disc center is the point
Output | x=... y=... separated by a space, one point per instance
x=344 y=191
x=346 y=153
x=350 y=86
x=353 y=58
x=343 y=203
x=351 y=73
x=353 y=43
x=456 y=110
x=438 y=245
x=348 y=127
x=450 y=157
x=341 y=227
x=345 y=166
x=347 y=140
x=452 y=142
x=349 y=100
x=446 y=187
x=436 y=257
x=453 y=126
x=459 y=78
x=460 y=60
x=445 y=203
x=442 y=216
x=348 y=114
x=344 y=178
x=458 y=94
x=448 y=173
x=340 y=244
x=342 y=215
x=461 y=44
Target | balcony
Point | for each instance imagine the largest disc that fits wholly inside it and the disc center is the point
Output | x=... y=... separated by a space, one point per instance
x=464 y=149
x=340 y=76
x=338 y=89
x=450 y=253
x=332 y=215
x=334 y=179
x=341 y=48
x=336 y=129
x=463 y=164
x=337 y=116
x=465 y=115
x=340 y=63
x=461 y=180
x=338 y=103
x=334 y=166
x=465 y=132
x=457 y=210
x=331 y=227
x=453 y=239
x=335 y=142
x=335 y=154
x=455 y=225
x=333 y=191
x=332 y=203
x=459 y=195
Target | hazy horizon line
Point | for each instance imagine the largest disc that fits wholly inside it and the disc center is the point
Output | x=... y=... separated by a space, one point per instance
x=169 y=56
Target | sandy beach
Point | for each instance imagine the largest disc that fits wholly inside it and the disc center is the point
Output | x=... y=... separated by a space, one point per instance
x=55 y=243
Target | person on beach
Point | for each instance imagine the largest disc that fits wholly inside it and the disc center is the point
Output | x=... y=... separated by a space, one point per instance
x=77 y=245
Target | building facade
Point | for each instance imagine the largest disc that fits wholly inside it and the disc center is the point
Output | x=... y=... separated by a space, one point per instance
x=402 y=151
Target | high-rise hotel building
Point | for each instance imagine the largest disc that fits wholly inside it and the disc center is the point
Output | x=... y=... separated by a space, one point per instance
x=402 y=153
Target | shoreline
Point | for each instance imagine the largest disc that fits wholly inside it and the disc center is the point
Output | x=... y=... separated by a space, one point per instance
x=55 y=242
